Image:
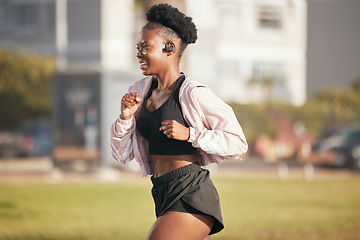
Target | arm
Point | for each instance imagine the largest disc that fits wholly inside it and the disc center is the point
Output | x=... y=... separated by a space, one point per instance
x=121 y=133
x=221 y=133
x=122 y=130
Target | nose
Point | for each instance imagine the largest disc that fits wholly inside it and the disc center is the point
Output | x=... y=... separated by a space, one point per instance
x=139 y=54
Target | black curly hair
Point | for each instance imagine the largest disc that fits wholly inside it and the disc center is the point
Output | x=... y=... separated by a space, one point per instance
x=170 y=22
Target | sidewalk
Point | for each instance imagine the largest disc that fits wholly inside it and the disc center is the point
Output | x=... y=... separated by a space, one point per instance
x=258 y=167
x=36 y=165
x=42 y=169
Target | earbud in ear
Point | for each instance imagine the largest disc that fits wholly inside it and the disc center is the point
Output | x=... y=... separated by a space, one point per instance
x=167 y=47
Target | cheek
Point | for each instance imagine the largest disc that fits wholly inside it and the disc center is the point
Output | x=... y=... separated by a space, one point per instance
x=156 y=58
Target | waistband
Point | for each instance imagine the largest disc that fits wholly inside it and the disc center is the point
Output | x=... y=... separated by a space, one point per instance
x=194 y=167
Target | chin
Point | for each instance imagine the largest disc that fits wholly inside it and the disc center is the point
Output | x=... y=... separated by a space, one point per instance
x=145 y=73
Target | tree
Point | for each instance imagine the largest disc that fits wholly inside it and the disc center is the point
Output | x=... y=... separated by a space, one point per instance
x=338 y=108
x=322 y=115
x=25 y=87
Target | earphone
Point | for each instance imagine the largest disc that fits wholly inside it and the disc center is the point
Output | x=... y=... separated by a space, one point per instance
x=168 y=48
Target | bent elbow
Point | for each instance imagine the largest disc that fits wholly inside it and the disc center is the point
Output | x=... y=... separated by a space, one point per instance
x=245 y=147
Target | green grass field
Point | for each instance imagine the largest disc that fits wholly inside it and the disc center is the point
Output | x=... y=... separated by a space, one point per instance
x=253 y=209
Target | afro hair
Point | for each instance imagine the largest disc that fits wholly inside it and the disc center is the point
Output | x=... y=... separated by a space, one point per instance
x=171 y=17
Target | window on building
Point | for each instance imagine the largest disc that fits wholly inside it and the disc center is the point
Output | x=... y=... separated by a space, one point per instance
x=270 y=17
x=25 y=17
x=228 y=69
x=267 y=73
x=50 y=18
x=5 y=14
x=270 y=79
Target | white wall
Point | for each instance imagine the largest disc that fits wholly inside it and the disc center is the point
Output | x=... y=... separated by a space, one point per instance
x=231 y=44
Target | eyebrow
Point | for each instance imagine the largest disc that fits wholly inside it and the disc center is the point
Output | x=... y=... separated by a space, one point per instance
x=142 y=43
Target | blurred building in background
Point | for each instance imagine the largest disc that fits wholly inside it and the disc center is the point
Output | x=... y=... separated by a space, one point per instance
x=333 y=54
x=28 y=25
x=251 y=51
x=247 y=52
x=94 y=44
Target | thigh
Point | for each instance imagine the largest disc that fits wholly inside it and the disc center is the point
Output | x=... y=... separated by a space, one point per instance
x=179 y=225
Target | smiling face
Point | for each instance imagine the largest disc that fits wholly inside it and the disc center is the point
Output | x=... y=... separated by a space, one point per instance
x=151 y=55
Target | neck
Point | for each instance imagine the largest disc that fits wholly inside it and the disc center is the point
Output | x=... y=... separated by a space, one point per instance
x=166 y=81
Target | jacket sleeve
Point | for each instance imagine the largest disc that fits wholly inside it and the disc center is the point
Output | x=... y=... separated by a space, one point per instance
x=222 y=134
x=121 y=136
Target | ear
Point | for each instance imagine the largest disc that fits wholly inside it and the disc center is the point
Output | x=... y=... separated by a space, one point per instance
x=169 y=47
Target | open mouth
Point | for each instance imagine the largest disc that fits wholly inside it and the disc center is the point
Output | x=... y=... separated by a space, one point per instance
x=143 y=64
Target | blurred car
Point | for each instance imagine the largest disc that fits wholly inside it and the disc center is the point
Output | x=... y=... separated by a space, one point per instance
x=35 y=139
x=9 y=144
x=340 y=150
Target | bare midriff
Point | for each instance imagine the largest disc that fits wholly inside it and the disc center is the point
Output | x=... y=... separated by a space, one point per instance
x=163 y=164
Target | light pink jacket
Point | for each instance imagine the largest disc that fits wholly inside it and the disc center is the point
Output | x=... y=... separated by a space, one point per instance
x=214 y=129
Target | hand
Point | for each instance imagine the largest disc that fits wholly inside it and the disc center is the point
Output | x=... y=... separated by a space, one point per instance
x=173 y=129
x=130 y=102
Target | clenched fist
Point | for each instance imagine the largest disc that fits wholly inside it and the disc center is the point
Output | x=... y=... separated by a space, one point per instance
x=130 y=102
x=175 y=130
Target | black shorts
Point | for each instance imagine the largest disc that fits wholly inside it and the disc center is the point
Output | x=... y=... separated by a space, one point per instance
x=187 y=189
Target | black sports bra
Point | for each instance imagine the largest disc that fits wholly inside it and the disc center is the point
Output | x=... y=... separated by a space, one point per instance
x=148 y=124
